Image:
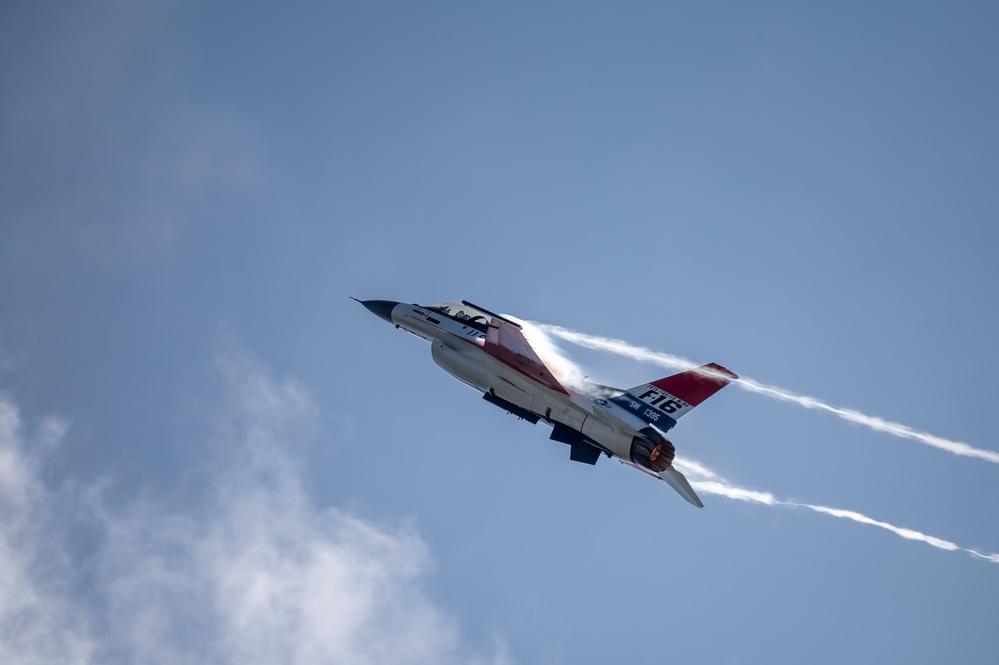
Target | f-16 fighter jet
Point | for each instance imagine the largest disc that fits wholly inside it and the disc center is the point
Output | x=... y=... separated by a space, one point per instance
x=491 y=354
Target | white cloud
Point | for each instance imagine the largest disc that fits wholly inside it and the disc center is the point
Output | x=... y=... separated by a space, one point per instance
x=38 y=622
x=258 y=574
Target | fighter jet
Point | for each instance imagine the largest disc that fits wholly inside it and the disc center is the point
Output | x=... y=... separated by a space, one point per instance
x=491 y=354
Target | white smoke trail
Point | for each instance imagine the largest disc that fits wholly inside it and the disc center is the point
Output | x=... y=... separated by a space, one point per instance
x=567 y=372
x=908 y=534
x=705 y=480
x=622 y=348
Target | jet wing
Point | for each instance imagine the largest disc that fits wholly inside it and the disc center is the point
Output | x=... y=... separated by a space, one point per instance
x=507 y=343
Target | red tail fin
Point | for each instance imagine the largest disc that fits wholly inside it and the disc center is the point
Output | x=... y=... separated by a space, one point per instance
x=696 y=385
x=662 y=402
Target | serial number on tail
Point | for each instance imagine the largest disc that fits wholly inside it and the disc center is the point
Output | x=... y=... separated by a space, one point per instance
x=637 y=408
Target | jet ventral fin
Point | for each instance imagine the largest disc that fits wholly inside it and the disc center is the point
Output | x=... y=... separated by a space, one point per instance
x=581 y=449
x=584 y=452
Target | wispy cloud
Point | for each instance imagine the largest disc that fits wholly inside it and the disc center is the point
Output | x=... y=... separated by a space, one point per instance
x=258 y=574
x=39 y=623
x=708 y=481
x=623 y=348
x=567 y=372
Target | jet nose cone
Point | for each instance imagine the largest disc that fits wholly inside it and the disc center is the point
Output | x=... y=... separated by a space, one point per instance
x=380 y=308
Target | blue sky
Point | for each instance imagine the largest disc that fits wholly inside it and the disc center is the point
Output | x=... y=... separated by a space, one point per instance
x=208 y=452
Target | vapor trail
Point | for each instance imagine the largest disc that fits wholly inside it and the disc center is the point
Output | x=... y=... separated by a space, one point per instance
x=622 y=348
x=705 y=480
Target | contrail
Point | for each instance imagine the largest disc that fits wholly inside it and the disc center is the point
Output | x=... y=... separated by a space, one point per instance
x=705 y=480
x=622 y=348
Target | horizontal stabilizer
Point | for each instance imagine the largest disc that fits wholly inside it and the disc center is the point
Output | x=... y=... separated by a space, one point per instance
x=678 y=482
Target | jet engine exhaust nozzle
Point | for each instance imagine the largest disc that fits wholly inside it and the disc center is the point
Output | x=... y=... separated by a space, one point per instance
x=652 y=451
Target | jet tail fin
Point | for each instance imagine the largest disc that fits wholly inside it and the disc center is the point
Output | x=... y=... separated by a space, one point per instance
x=678 y=481
x=662 y=402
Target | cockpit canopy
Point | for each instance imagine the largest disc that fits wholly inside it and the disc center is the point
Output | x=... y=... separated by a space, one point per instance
x=464 y=314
